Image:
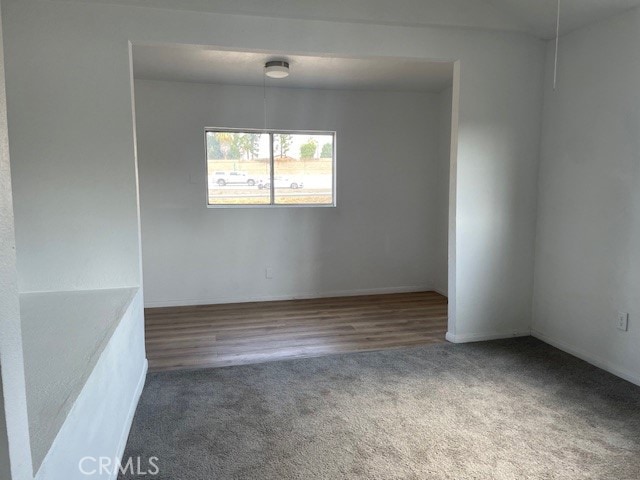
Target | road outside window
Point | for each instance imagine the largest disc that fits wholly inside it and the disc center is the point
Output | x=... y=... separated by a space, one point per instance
x=262 y=168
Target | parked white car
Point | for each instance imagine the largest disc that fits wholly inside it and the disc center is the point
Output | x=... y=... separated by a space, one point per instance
x=281 y=182
x=231 y=178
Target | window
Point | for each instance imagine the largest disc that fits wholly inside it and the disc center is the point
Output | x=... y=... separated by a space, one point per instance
x=266 y=168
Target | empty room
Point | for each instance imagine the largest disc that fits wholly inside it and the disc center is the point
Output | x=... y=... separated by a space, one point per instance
x=327 y=228
x=332 y=240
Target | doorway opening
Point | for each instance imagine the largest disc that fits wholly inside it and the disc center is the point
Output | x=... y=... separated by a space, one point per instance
x=266 y=279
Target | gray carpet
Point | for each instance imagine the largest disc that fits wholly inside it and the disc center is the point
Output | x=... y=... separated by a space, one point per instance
x=510 y=409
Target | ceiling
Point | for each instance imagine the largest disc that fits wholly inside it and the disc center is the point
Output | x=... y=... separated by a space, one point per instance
x=187 y=63
x=536 y=17
x=540 y=15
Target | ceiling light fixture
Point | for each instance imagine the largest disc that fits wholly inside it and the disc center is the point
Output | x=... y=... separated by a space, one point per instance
x=276 y=69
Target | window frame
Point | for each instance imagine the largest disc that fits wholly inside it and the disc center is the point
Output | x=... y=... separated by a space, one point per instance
x=271 y=132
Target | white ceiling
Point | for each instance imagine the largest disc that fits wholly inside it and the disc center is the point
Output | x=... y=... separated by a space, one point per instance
x=540 y=15
x=189 y=63
x=536 y=17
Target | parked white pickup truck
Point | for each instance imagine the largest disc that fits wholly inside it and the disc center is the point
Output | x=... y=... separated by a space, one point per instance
x=231 y=178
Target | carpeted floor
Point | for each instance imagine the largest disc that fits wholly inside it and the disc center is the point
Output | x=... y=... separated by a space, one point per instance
x=512 y=409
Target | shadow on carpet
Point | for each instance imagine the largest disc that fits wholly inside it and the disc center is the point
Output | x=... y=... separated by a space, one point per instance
x=508 y=409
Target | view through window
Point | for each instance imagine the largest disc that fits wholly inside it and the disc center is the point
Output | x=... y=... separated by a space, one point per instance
x=250 y=167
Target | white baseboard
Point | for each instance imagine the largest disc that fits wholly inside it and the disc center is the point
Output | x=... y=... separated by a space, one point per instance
x=132 y=411
x=482 y=337
x=271 y=298
x=587 y=357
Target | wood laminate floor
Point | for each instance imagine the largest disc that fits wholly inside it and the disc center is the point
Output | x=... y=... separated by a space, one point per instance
x=235 y=334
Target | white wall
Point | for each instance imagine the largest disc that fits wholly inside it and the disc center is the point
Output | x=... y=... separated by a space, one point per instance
x=588 y=240
x=64 y=334
x=455 y=13
x=380 y=238
x=443 y=166
x=69 y=63
x=99 y=422
x=5 y=466
x=73 y=163
x=76 y=210
x=13 y=408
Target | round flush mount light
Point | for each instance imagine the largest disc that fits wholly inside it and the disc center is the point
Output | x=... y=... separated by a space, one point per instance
x=276 y=69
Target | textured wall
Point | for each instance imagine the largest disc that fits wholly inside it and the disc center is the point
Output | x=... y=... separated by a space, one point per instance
x=381 y=237
x=443 y=170
x=588 y=255
x=5 y=467
x=64 y=335
x=98 y=425
x=11 y=363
